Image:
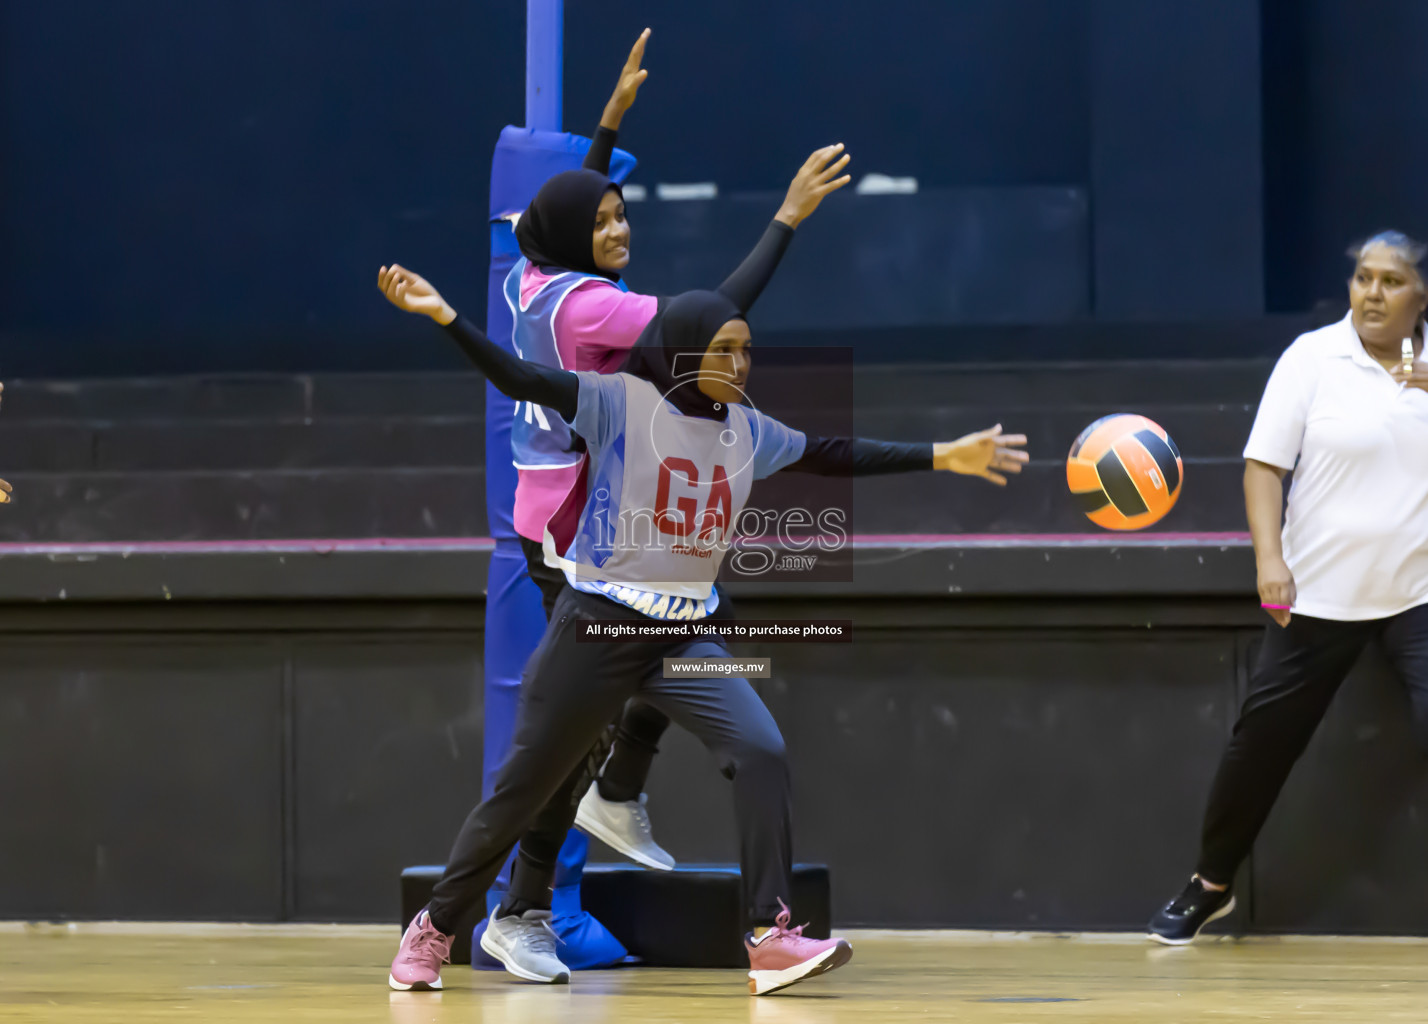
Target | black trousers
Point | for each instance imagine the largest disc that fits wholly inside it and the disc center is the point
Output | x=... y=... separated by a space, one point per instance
x=571 y=692
x=636 y=735
x=1300 y=668
x=625 y=749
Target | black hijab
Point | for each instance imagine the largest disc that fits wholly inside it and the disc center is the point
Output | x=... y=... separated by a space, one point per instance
x=556 y=229
x=683 y=326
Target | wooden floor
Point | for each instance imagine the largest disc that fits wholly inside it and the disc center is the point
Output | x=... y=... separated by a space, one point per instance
x=313 y=973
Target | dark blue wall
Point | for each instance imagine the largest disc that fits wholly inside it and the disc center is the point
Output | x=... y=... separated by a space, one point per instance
x=227 y=175
x=211 y=186
x=1345 y=145
x=959 y=92
x=1175 y=178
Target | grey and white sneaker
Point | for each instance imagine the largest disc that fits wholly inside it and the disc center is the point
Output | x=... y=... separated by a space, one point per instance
x=525 y=945
x=624 y=827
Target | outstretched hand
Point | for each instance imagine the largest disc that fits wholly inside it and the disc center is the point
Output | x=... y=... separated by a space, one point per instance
x=412 y=293
x=632 y=76
x=987 y=454
x=815 y=179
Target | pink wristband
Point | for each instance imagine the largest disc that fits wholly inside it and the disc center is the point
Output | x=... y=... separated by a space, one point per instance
x=1277 y=607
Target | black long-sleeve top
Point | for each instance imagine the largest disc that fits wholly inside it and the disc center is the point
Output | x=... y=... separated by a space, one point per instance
x=526 y=381
x=602 y=148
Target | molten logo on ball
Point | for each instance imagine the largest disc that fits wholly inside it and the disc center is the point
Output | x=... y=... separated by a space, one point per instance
x=1125 y=472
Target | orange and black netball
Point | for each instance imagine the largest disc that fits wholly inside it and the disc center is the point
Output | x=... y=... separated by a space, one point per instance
x=1125 y=472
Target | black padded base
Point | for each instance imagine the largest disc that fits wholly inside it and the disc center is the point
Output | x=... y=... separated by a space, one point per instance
x=689 y=917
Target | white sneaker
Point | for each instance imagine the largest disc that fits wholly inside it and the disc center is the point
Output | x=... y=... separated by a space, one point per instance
x=624 y=827
x=525 y=946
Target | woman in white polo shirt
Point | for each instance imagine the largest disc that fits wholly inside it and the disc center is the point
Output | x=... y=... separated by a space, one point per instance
x=1345 y=412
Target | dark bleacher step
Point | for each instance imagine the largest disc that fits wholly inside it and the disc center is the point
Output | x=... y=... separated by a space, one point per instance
x=1209 y=431
x=349 y=443
x=820 y=392
x=157 y=398
x=95 y=507
x=401 y=455
x=973 y=343
x=450 y=502
x=38 y=446
x=689 y=917
x=1112 y=386
x=257 y=396
x=400 y=394
x=1109 y=385
x=44 y=446
x=1036 y=501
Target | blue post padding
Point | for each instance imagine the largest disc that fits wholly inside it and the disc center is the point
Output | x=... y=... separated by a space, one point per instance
x=524 y=159
x=545 y=44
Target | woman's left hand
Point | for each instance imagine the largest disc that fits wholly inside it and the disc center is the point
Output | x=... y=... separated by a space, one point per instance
x=1418 y=379
x=632 y=76
x=982 y=454
x=817 y=178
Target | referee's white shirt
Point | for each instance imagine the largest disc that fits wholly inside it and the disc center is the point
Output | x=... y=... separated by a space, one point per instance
x=1356 y=528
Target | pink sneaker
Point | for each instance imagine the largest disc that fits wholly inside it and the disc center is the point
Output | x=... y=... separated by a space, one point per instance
x=420 y=956
x=782 y=956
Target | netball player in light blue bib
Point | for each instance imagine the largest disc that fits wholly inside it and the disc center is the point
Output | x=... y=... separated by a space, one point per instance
x=571 y=310
x=672 y=457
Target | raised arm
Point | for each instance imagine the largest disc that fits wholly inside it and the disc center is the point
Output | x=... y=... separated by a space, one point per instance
x=513 y=377
x=632 y=76
x=818 y=176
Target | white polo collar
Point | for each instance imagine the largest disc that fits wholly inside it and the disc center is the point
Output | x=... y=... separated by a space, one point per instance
x=1350 y=345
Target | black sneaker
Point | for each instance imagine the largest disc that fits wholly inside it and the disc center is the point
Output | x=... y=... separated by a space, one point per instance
x=1179 y=921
